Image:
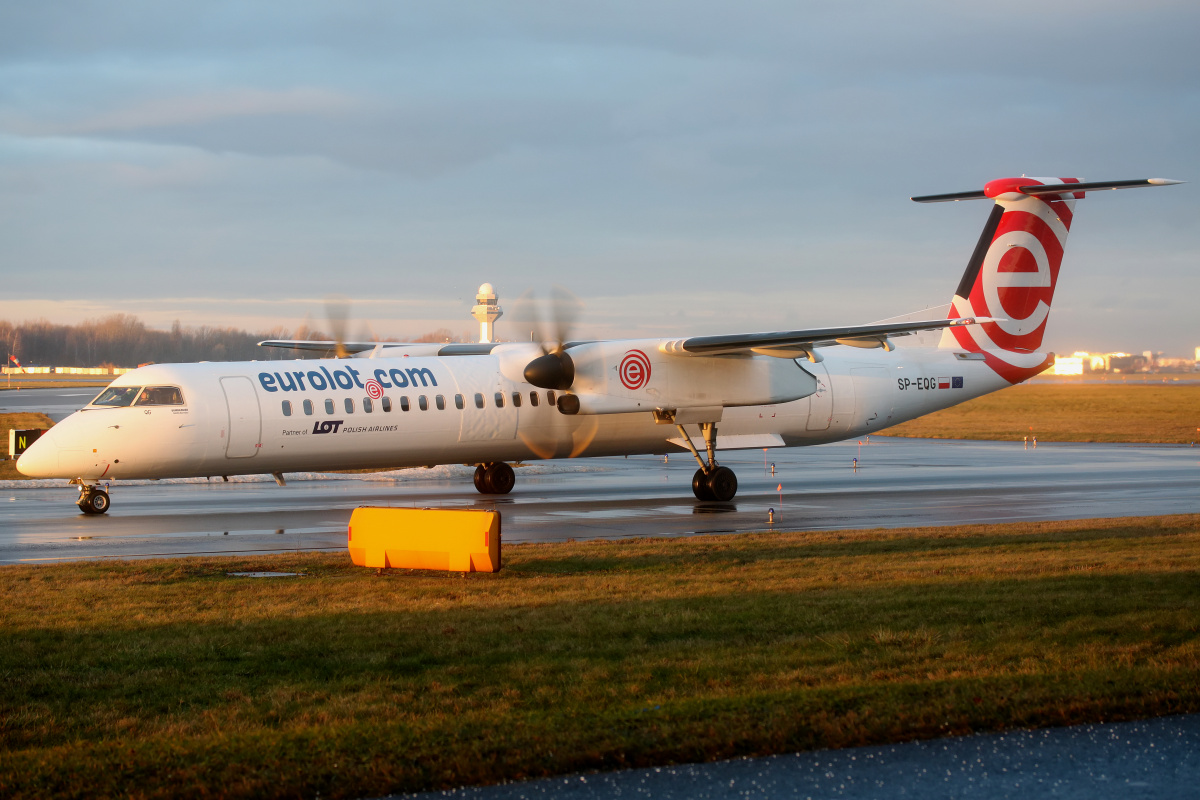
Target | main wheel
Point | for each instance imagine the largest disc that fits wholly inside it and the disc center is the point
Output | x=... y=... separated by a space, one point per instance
x=700 y=486
x=501 y=478
x=481 y=484
x=722 y=484
x=94 y=502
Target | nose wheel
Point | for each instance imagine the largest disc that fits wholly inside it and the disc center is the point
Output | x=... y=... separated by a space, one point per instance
x=720 y=484
x=92 y=500
x=711 y=482
x=497 y=478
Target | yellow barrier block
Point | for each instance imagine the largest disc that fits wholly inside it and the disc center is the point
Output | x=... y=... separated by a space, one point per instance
x=425 y=538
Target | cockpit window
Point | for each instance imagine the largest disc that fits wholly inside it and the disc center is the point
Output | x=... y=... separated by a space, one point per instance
x=117 y=396
x=160 y=396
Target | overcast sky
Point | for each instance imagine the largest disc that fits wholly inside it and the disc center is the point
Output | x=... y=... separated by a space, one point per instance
x=683 y=167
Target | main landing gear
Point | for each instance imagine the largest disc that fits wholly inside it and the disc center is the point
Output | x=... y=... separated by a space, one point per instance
x=711 y=482
x=497 y=478
x=92 y=499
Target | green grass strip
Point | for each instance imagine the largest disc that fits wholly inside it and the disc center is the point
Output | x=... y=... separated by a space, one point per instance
x=171 y=678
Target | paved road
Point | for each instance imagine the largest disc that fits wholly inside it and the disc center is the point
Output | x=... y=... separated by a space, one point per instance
x=1150 y=759
x=899 y=482
x=58 y=403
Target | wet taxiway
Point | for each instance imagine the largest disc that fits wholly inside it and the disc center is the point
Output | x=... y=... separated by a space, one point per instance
x=1147 y=759
x=57 y=403
x=898 y=482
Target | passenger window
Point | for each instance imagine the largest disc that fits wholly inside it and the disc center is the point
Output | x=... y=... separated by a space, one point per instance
x=423 y=403
x=458 y=402
x=308 y=408
x=478 y=400
x=349 y=406
x=404 y=402
x=328 y=406
x=516 y=399
x=387 y=404
x=368 y=406
x=549 y=398
x=287 y=408
x=533 y=399
x=117 y=396
x=160 y=396
x=441 y=402
x=499 y=399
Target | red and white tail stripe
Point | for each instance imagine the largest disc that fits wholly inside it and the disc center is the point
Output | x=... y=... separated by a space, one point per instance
x=1014 y=277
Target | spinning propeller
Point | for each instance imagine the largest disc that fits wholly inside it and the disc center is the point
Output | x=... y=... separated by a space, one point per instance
x=554 y=369
x=550 y=322
x=337 y=312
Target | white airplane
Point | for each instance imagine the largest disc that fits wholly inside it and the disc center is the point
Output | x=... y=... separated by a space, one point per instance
x=406 y=405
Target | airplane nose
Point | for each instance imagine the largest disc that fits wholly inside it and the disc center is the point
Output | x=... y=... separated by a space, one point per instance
x=40 y=460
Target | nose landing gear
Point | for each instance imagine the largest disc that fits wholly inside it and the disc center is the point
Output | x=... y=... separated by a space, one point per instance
x=497 y=478
x=711 y=482
x=92 y=499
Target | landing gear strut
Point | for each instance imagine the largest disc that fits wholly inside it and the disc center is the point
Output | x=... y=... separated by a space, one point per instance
x=497 y=478
x=92 y=499
x=711 y=482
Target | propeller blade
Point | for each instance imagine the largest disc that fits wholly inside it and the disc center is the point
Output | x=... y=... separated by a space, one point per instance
x=337 y=312
x=528 y=321
x=564 y=309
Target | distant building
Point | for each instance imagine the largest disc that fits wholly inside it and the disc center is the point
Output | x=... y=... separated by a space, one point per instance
x=1148 y=361
x=1068 y=365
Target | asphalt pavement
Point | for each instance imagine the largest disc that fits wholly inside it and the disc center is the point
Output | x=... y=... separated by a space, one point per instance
x=897 y=483
x=1156 y=758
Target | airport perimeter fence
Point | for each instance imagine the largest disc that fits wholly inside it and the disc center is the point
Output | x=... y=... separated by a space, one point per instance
x=65 y=370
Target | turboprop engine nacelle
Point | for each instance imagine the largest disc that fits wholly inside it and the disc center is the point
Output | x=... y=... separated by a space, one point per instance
x=636 y=375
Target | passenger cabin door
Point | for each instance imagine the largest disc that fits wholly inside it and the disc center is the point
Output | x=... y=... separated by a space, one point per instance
x=245 y=418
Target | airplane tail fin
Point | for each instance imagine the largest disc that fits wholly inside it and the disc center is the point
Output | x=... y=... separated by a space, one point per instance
x=1013 y=271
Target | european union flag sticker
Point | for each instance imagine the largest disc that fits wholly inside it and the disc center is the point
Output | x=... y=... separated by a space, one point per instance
x=956 y=383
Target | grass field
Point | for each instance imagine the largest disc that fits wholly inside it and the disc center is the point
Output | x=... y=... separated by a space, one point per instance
x=1069 y=413
x=8 y=469
x=172 y=678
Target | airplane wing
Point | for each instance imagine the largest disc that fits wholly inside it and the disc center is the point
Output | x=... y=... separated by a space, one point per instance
x=792 y=344
x=324 y=347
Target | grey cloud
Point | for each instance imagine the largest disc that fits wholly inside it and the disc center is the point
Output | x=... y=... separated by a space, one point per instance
x=678 y=150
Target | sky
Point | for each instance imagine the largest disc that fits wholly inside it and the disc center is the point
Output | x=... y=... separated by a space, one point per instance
x=682 y=167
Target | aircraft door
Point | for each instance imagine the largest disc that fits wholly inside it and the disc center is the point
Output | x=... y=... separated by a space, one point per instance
x=245 y=419
x=493 y=422
x=820 y=403
x=872 y=398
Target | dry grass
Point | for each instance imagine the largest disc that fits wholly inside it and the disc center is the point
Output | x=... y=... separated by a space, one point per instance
x=1069 y=413
x=170 y=678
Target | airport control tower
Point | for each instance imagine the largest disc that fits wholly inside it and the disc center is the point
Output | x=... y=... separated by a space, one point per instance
x=487 y=311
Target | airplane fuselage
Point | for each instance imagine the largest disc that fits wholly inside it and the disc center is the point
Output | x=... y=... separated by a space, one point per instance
x=312 y=415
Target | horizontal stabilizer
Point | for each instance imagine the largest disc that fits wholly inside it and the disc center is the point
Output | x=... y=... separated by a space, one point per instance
x=1013 y=186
